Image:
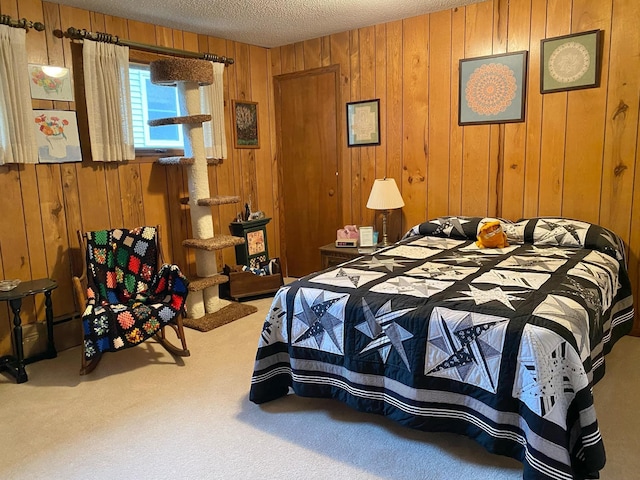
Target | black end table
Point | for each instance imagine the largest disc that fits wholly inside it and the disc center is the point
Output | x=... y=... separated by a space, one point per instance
x=14 y=364
x=254 y=251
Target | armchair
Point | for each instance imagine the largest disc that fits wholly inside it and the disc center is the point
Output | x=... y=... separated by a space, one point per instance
x=127 y=293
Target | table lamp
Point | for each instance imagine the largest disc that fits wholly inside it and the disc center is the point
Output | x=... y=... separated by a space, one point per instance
x=385 y=196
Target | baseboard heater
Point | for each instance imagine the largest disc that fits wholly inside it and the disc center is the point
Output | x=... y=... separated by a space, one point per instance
x=66 y=318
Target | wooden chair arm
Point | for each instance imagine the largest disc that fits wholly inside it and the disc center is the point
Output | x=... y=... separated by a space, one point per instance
x=80 y=291
x=80 y=283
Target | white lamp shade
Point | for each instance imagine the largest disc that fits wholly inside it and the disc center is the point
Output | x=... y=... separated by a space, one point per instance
x=385 y=195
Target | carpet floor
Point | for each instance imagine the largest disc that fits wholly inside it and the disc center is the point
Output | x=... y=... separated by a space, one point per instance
x=143 y=414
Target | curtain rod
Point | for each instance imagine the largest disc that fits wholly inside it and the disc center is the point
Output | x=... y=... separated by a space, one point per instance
x=22 y=23
x=108 y=38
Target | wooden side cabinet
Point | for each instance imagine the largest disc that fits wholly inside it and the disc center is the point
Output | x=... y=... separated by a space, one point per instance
x=331 y=255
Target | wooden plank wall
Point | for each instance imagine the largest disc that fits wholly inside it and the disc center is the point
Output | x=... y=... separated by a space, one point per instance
x=43 y=206
x=576 y=154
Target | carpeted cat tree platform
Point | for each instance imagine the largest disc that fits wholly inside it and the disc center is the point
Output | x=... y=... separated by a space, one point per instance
x=205 y=308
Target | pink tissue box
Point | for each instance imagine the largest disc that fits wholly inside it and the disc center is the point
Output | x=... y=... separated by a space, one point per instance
x=349 y=231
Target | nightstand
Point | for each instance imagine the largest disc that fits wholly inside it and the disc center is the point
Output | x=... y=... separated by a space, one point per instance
x=331 y=255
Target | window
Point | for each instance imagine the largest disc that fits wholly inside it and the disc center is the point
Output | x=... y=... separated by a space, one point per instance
x=148 y=102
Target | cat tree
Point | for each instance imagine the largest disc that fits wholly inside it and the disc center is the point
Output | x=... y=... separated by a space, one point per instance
x=187 y=75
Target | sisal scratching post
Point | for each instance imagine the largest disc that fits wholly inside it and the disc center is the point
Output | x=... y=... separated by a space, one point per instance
x=188 y=75
x=205 y=309
x=207 y=300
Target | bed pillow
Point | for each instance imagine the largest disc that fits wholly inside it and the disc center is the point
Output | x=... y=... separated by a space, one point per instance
x=458 y=227
x=558 y=231
x=569 y=232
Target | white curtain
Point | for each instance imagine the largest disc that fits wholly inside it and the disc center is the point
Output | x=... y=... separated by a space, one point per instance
x=106 y=81
x=17 y=137
x=212 y=100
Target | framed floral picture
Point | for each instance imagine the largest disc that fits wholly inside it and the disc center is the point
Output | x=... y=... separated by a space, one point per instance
x=57 y=136
x=50 y=83
x=571 y=62
x=245 y=130
x=492 y=89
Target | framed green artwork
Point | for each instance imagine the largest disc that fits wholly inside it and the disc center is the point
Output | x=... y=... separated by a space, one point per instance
x=492 y=89
x=571 y=62
x=363 y=123
x=245 y=133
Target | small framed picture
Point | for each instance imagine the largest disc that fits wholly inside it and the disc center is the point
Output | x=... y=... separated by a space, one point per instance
x=255 y=242
x=245 y=130
x=363 y=123
x=50 y=83
x=492 y=89
x=366 y=236
x=571 y=62
x=57 y=136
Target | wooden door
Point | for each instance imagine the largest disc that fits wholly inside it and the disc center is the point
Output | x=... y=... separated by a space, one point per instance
x=307 y=128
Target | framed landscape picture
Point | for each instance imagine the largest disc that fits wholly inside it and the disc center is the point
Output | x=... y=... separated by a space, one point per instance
x=571 y=62
x=492 y=89
x=245 y=130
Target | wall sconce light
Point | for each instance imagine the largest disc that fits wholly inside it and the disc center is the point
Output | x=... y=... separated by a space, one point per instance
x=55 y=72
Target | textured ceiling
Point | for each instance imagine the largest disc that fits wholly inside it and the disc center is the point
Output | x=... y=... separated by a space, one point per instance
x=266 y=23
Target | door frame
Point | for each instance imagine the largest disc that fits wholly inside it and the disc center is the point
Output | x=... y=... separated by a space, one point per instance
x=277 y=93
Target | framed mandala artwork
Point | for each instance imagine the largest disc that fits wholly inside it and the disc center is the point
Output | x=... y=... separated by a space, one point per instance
x=492 y=89
x=571 y=62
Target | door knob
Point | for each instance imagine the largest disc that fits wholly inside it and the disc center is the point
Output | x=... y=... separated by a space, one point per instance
x=331 y=192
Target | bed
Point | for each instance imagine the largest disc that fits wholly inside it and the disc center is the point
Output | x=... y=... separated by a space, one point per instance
x=501 y=345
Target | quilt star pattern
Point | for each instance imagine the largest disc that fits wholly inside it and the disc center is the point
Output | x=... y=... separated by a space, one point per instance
x=466 y=347
x=319 y=320
x=549 y=373
x=527 y=262
x=466 y=258
x=347 y=277
x=573 y=287
x=440 y=271
x=513 y=278
x=560 y=232
x=409 y=251
x=501 y=345
x=417 y=287
x=389 y=264
x=600 y=273
x=449 y=226
x=571 y=315
x=472 y=247
x=551 y=252
x=272 y=330
x=481 y=296
x=385 y=333
x=439 y=243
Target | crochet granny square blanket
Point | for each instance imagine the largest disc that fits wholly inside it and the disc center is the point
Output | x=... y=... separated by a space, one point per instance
x=129 y=299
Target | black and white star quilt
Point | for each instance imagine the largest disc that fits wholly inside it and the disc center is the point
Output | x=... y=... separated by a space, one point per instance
x=501 y=345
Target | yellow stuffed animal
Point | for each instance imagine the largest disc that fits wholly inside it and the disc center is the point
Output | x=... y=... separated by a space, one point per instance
x=492 y=236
